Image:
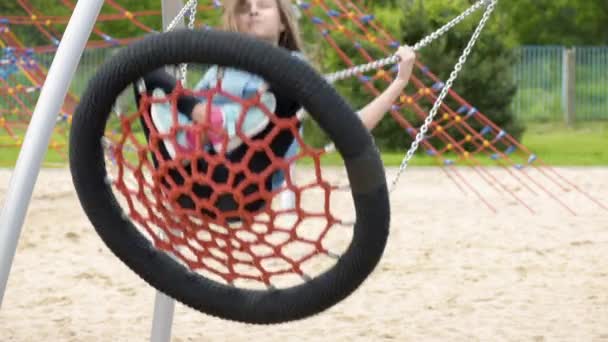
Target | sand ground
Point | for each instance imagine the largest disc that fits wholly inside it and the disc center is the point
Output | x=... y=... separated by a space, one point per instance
x=453 y=270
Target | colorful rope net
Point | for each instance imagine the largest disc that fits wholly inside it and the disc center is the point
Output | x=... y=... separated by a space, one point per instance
x=23 y=67
x=460 y=135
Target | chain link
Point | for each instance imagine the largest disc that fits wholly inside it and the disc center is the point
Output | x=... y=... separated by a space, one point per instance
x=340 y=75
x=394 y=59
x=443 y=93
x=191 y=6
x=184 y=66
x=180 y=15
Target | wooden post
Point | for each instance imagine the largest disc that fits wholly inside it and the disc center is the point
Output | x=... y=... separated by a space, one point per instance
x=569 y=86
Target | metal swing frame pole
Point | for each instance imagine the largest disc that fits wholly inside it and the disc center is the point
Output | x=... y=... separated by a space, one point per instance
x=40 y=130
x=164 y=306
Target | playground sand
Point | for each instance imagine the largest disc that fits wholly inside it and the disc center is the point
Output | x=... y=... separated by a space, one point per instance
x=453 y=270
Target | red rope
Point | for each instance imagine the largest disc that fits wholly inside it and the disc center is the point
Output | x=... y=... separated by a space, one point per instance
x=258 y=250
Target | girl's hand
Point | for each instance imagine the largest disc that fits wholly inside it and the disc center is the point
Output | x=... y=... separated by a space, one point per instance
x=406 y=64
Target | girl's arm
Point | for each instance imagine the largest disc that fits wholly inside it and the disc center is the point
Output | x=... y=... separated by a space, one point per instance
x=373 y=112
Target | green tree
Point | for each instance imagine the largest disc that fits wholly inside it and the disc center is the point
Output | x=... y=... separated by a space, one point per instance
x=486 y=80
x=562 y=22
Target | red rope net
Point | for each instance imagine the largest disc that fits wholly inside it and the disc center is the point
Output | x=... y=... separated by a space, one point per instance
x=179 y=201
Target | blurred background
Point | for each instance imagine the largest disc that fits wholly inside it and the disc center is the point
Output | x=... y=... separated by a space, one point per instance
x=538 y=73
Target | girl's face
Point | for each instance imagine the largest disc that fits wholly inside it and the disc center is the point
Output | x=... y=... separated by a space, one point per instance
x=260 y=18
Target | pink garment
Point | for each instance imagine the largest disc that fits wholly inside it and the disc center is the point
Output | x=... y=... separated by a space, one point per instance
x=216 y=122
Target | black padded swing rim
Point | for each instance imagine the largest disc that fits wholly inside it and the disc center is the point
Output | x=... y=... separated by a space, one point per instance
x=326 y=106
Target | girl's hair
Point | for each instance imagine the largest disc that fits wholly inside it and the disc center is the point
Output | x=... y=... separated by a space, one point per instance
x=289 y=39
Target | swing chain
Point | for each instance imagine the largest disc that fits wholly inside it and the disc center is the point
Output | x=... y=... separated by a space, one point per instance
x=395 y=59
x=445 y=28
x=184 y=66
x=443 y=93
x=192 y=4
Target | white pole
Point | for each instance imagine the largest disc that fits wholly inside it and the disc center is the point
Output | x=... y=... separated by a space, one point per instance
x=163 y=318
x=40 y=130
x=164 y=306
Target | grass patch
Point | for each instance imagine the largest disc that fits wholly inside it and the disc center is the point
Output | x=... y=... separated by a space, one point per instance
x=585 y=144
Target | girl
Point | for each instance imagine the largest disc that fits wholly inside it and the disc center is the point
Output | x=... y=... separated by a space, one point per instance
x=272 y=21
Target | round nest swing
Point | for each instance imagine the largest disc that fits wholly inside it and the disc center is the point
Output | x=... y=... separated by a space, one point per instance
x=200 y=254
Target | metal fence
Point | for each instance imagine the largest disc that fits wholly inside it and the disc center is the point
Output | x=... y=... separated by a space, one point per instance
x=557 y=83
